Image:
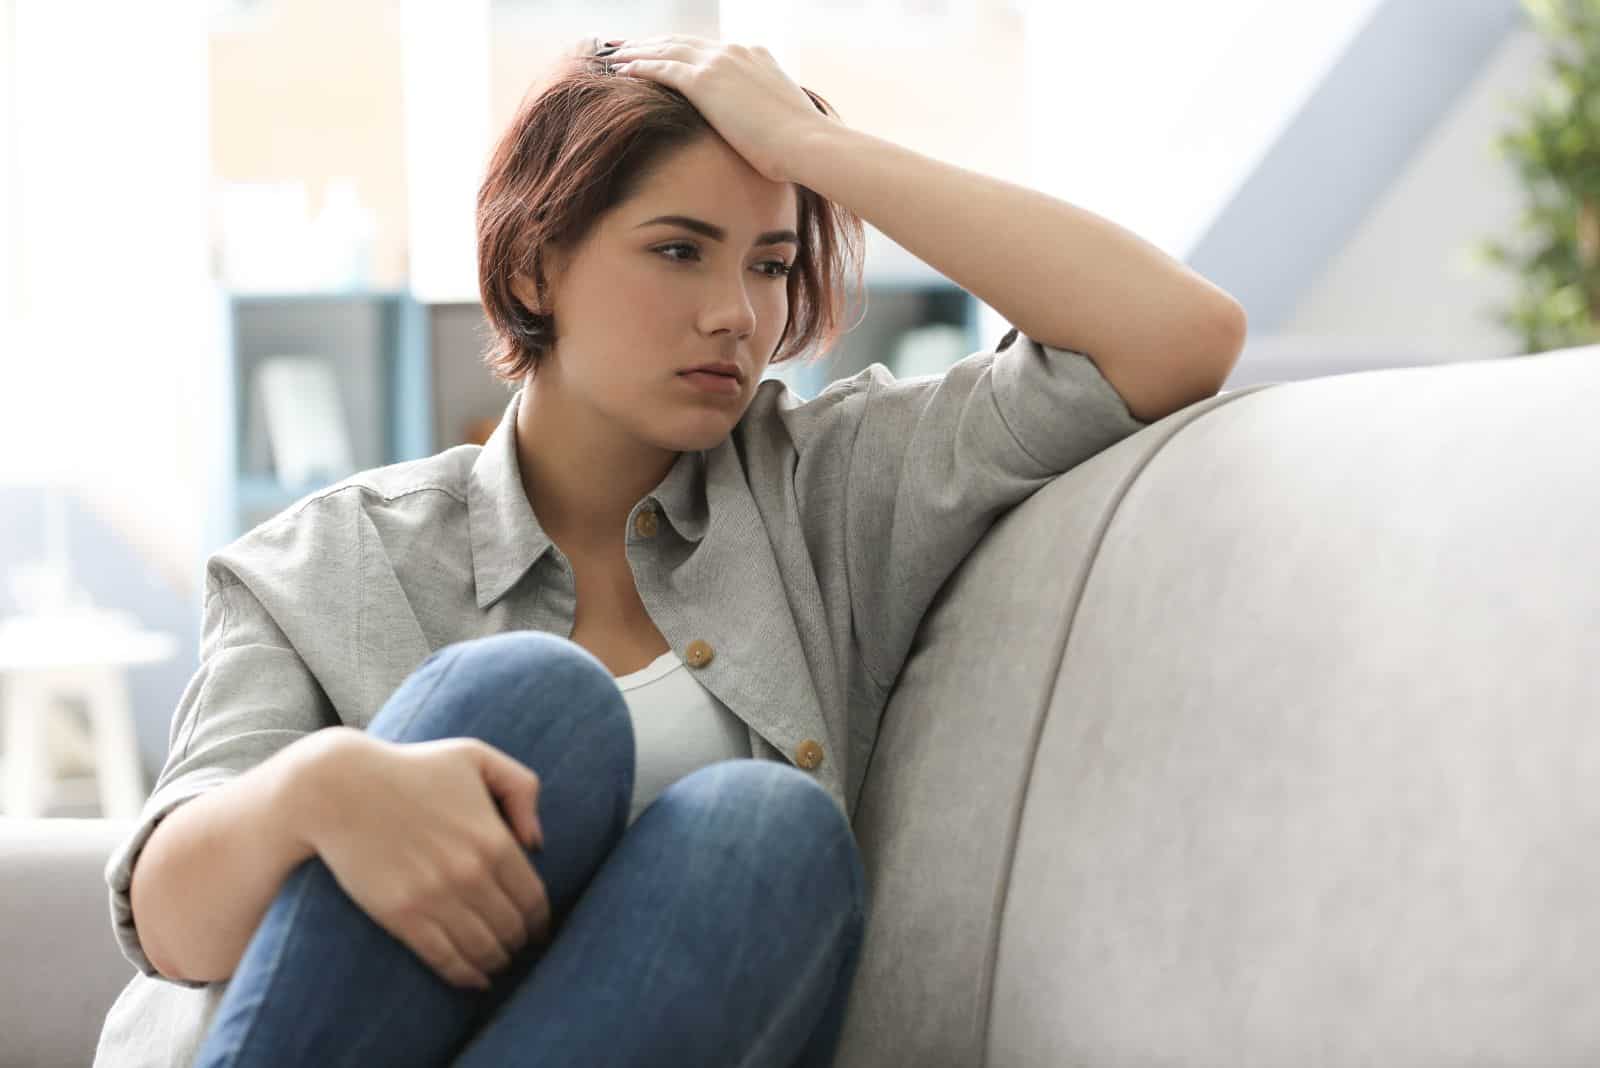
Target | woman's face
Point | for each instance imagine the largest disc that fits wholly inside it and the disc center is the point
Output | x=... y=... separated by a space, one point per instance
x=640 y=301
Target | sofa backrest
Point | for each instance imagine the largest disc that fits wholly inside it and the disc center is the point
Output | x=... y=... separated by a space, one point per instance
x=1267 y=736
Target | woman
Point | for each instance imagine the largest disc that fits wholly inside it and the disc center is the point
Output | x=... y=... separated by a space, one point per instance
x=546 y=751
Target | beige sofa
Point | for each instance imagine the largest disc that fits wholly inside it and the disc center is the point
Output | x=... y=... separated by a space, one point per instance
x=1278 y=744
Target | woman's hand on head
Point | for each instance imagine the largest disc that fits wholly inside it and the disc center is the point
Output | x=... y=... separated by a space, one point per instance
x=412 y=833
x=746 y=97
x=585 y=46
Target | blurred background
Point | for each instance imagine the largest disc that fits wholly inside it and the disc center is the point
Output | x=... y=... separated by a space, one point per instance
x=237 y=248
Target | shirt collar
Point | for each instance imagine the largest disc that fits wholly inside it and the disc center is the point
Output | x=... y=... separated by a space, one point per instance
x=506 y=536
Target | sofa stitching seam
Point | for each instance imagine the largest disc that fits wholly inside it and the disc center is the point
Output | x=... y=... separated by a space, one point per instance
x=1074 y=601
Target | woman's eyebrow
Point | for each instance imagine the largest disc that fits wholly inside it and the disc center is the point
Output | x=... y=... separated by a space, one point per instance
x=717 y=233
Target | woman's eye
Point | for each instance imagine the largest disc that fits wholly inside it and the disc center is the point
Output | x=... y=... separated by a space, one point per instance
x=782 y=270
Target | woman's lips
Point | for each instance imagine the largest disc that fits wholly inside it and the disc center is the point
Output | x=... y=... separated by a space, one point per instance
x=712 y=383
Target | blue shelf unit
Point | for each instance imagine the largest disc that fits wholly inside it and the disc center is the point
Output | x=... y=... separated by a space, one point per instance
x=895 y=303
x=397 y=391
x=377 y=344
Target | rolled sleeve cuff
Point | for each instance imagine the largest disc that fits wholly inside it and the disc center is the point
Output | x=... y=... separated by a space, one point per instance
x=119 y=868
x=1057 y=403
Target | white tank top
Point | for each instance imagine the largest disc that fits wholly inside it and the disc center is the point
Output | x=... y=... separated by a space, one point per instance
x=678 y=726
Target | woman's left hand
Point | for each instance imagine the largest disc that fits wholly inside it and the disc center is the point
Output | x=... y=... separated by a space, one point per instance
x=741 y=91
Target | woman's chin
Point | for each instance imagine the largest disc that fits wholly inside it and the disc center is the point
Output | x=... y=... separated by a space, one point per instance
x=710 y=433
x=703 y=441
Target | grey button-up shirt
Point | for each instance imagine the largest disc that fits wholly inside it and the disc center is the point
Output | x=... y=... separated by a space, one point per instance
x=803 y=551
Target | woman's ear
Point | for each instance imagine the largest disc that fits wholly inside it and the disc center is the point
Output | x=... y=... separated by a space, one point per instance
x=522 y=286
x=548 y=265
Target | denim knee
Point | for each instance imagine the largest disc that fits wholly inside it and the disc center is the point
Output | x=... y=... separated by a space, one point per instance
x=522 y=673
x=510 y=657
x=780 y=813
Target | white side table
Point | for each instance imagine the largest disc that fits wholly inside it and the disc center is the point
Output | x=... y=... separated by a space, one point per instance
x=83 y=655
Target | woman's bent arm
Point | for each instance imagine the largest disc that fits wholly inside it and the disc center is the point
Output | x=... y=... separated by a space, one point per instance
x=211 y=868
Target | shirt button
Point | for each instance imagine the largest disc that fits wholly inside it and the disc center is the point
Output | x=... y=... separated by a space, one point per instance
x=808 y=754
x=644 y=524
x=699 y=653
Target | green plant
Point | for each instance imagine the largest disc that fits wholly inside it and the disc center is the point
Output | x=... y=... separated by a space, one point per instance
x=1556 y=152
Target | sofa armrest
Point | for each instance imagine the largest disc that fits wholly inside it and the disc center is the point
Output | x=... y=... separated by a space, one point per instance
x=63 y=968
x=1273 y=746
x=945 y=785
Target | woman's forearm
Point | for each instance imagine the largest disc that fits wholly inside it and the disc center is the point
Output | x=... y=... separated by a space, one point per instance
x=1062 y=275
x=211 y=868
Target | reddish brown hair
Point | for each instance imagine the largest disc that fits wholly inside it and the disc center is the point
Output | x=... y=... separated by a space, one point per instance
x=585 y=140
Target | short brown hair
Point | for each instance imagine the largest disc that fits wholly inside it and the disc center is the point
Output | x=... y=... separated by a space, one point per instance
x=585 y=140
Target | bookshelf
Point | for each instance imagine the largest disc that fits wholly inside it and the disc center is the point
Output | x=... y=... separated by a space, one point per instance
x=411 y=380
x=376 y=343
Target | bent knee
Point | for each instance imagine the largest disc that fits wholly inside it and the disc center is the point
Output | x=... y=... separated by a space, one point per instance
x=765 y=800
x=522 y=656
x=533 y=672
x=762 y=802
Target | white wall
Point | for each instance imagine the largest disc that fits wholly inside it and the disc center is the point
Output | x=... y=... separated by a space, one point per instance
x=112 y=341
x=8 y=208
x=1402 y=291
x=1155 y=131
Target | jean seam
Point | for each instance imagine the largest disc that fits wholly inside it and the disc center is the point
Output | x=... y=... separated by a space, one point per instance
x=422 y=701
x=272 y=974
x=417 y=706
x=272 y=971
x=853 y=947
x=854 y=914
x=372 y=1032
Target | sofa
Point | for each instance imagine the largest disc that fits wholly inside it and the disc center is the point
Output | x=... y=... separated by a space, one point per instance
x=1280 y=745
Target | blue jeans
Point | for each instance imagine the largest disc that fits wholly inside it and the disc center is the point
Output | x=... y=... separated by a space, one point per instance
x=722 y=927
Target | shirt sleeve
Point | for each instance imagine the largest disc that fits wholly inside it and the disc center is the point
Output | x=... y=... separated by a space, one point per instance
x=936 y=459
x=251 y=697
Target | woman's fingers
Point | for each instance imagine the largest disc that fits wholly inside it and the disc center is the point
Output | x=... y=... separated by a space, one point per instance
x=521 y=884
x=430 y=942
x=473 y=937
